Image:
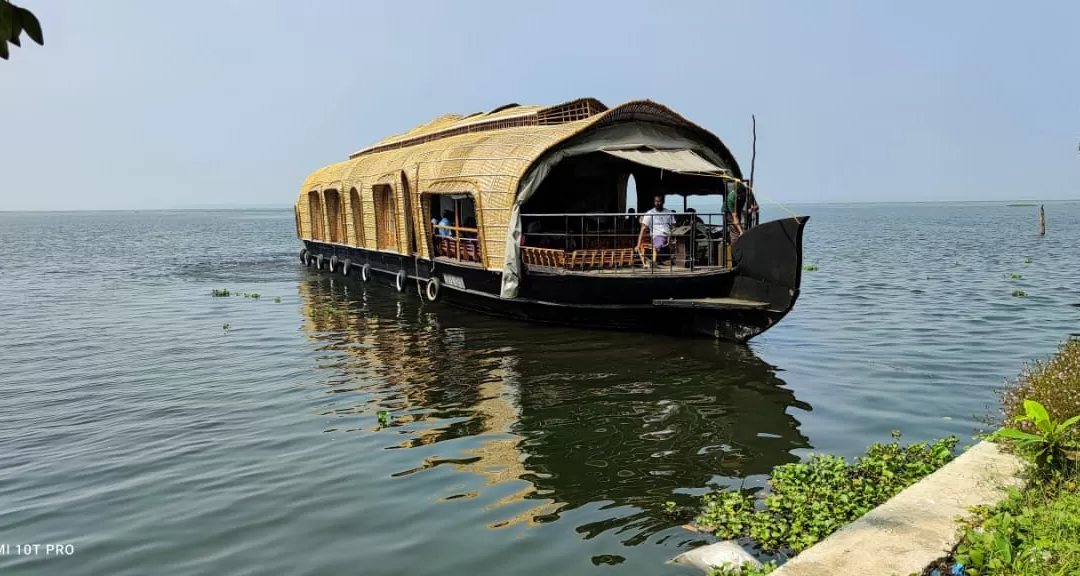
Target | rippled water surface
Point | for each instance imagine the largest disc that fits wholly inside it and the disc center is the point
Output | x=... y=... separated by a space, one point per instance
x=137 y=429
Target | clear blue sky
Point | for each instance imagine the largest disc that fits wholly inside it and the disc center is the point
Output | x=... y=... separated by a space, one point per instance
x=147 y=104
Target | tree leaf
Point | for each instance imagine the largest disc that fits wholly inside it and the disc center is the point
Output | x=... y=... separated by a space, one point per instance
x=7 y=22
x=31 y=25
x=1064 y=426
x=1038 y=413
x=3 y=49
x=1017 y=435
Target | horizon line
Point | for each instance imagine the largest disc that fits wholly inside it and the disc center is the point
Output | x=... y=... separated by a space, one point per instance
x=765 y=204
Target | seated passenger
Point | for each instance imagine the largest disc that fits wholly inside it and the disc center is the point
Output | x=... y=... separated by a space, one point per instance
x=447 y=220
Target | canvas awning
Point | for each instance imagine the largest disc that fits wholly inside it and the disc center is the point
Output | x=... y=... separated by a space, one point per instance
x=680 y=160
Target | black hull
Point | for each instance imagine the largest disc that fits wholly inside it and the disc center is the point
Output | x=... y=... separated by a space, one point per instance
x=768 y=268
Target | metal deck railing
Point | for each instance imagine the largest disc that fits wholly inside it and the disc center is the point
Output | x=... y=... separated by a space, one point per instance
x=613 y=242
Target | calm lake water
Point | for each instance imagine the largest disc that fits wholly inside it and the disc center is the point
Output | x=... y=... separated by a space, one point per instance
x=138 y=430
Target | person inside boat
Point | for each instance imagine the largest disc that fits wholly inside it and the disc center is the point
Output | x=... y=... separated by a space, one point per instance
x=733 y=201
x=447 y=220
x=658 y=221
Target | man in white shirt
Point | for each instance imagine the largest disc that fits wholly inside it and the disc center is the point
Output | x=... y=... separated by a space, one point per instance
x=659 y=222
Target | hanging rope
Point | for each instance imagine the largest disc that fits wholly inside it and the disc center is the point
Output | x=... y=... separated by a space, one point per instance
x=749 y=188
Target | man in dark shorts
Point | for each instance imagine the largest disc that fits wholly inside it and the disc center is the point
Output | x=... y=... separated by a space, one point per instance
x=658 y=221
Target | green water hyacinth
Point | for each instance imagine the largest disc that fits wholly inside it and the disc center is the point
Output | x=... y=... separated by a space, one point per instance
x=807 y=501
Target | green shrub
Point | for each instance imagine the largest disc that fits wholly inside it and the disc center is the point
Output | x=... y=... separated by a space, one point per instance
x=809 y=500
x=1050 y=446
x=1054 y=383
x=1034 y=532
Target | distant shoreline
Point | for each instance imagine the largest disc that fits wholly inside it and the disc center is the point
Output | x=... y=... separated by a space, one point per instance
x=289 y=207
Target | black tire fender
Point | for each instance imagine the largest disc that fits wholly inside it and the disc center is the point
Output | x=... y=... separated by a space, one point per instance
x=434 y=285
x=333 y=263
x=345 y=267
x=399 y=280
x=365 y=272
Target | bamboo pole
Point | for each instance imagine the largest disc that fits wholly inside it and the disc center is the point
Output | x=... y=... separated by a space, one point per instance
x=752 y=198
x=1042 y=221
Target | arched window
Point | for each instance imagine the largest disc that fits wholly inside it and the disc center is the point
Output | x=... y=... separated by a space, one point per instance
x=357 y=210
x=315 y=214
x=631 y=194
x=385 y=217
x=335 y=216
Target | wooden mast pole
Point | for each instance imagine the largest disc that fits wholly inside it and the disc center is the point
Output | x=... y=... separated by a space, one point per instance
x=1042 y=221
x=753 y=159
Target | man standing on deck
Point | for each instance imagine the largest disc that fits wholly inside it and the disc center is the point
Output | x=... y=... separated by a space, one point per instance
x=732 y=204
x=659 y=222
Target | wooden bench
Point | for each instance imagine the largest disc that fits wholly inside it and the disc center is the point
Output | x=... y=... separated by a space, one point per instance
x=470 y=248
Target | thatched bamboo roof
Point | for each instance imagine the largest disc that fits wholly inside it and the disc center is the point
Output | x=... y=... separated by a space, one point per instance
x=486 y=154
x=504 y=134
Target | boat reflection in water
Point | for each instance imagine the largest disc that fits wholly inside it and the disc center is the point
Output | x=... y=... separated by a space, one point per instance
x=547 y=420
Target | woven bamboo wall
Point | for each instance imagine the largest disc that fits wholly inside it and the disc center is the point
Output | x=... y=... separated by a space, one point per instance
x=485 y=154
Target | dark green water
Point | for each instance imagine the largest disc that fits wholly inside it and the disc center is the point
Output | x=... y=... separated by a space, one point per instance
x=136 y=429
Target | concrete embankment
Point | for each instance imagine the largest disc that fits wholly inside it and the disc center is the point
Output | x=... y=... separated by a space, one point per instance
x=917 y=526
x=902 y=536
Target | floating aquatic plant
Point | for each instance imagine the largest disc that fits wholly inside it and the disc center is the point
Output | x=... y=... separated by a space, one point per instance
x=328 y=310
x=216 y=293
x=384 y=418
x=277 y=299
x=807 y=501
x=225 y=326
x=810 y=267
x=255 y=295
x=1027 y=260
x=1019 y=293
x=1015 y=276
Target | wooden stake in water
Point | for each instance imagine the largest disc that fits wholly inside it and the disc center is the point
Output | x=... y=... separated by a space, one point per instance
x=1042 y=221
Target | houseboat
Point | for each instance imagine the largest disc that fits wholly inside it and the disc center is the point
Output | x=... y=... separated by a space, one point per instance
x=523 y=212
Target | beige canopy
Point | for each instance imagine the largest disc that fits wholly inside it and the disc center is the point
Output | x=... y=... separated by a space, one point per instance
x=680 y=160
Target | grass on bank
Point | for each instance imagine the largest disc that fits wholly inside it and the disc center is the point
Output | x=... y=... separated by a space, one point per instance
x=1036 y=530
